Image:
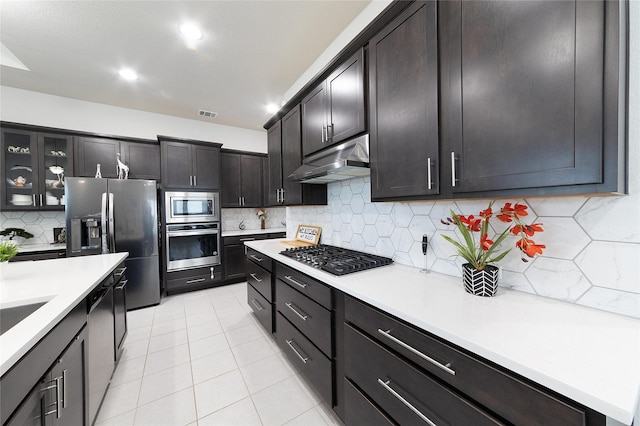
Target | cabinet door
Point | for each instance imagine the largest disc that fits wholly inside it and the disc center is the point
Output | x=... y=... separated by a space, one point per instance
x=19 y=170
x=234 y=261
x=89 y=152
x=206 y=167
x=522 y=93
x=231 y=180
x=314 y=120
x=345 y=99
x=143 y=160
x=251 y=182
x=403 y=107
x=176 y=164
x=291 y=156
x=274 y=147
x=32 y=411
x=55 y=163
x=69 y=372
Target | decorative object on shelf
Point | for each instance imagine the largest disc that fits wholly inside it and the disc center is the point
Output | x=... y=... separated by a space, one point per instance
x=16 y=232
x=241 y=226
x=98 y=172
x=20 y=181
x=58 y=171
x=479 y=276
x=121 y=168
x=262 y=215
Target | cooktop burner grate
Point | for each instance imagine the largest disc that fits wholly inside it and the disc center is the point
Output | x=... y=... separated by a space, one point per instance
x=336 y=260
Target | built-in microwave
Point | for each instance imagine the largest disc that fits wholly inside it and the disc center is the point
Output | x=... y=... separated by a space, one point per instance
x=188 y=207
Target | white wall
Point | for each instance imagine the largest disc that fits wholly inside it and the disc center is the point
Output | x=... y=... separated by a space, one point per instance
x=27 y=107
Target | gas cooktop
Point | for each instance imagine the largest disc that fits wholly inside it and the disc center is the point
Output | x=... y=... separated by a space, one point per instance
x=336 y=260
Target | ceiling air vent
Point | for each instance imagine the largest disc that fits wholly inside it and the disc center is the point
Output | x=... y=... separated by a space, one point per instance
x=207 y=114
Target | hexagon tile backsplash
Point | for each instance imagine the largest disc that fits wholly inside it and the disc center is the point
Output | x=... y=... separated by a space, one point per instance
x=593 y=243
x=40 y=224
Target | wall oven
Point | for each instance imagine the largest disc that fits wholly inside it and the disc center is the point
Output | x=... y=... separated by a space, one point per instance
x=188 y=207
x=192 y=245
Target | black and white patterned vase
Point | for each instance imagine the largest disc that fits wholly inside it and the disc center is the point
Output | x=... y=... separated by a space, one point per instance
x=480 y=282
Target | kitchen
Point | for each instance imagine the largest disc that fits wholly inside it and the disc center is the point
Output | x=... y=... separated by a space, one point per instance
x=580 y=228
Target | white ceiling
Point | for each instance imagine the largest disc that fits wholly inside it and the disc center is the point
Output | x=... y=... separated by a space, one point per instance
x=252 y=52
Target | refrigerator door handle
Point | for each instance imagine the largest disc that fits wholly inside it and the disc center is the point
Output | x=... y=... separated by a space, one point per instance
x=103 y=223
x=112 y=228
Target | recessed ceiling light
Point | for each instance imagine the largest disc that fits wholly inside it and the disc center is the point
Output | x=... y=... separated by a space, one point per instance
x=272 y=108
x=128 y=74
x=191 y=32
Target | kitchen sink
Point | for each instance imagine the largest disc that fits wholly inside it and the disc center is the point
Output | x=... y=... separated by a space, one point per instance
x=11 y=316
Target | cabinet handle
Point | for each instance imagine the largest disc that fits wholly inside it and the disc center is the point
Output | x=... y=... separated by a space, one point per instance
x=429 y=173
x=302 y=316
x=329 y=126
x=199 y=280
x=289 y=278
x=195 y=180
x=123 y=285
x=453 y=169
x=405 y=402
x=282 y=195
x=322 y=135
x=34 y=199
x=388 y=335
x=257 y=305
x=64 y=388
x=58 y=397
x=254 y=257
x=302 y=358
x=255 y=277
x=247 y=239
x=41 y=200
x=212 y=270
x=120 y=272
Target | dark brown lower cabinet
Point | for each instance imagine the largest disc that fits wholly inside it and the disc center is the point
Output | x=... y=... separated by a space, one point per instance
x=362 y=412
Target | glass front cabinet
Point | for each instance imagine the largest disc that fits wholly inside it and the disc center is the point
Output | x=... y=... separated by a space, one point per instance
x=34 y=167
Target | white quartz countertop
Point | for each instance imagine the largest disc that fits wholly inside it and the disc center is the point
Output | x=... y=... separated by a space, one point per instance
x=588 y=355
x=63 y=283
x=241 y=232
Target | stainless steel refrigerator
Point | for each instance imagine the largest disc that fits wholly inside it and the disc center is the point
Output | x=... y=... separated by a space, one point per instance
x=112 y=215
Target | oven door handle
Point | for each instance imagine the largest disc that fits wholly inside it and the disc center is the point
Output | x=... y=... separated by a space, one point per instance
x=192 y=233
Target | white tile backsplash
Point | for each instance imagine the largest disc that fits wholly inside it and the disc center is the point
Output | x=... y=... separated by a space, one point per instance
x=592 y=243
x=231 y=218
x=40 y=224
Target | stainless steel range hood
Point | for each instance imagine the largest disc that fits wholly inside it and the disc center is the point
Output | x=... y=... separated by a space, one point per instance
x=344 y=161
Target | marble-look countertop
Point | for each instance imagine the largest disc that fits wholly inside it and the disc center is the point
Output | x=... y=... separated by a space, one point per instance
x=241 y=232
x=62 y=283
x=588 y=355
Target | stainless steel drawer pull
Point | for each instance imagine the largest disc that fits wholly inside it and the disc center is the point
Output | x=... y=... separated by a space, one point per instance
x=446 y=368
x=255 y=277
x=405 y=402
x=247 y=239
x=256 y=258
x=429 y=184
x=123 y=285
x=256 y=305
x=290 y=278
x=302 y=316
x=199 y=280
x=453 y=169
x=302 y=358
x=120 y=272
x=64 y=388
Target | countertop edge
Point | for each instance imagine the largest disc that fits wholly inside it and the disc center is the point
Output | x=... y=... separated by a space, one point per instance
x=620 y=411
x=241 y=232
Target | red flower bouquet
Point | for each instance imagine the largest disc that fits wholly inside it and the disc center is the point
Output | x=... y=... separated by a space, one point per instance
x=483 y=251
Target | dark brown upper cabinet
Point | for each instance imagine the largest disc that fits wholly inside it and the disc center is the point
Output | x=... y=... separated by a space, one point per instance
x=142 y=158
x=335 y=110
x=241 y=179
x=188 y=164
x=532 y=97
x=403 y=105
x=34 y=165
x=285 y=156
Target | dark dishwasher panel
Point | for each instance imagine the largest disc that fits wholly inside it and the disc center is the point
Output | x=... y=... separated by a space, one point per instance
x=120 y=310
x=100 y=351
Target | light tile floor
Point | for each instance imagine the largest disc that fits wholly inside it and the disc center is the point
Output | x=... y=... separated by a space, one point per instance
x=201 y=358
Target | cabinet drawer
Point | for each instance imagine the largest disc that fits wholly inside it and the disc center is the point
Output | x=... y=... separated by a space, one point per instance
x=305 y=356
x=305 y=285
x=193 y=282
x=406 y=394
x=360 y=411
x=262 y=309
x=526 y=404
x=260 y=279
x=239 y=239
x=310 y=318
x=260 y=259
